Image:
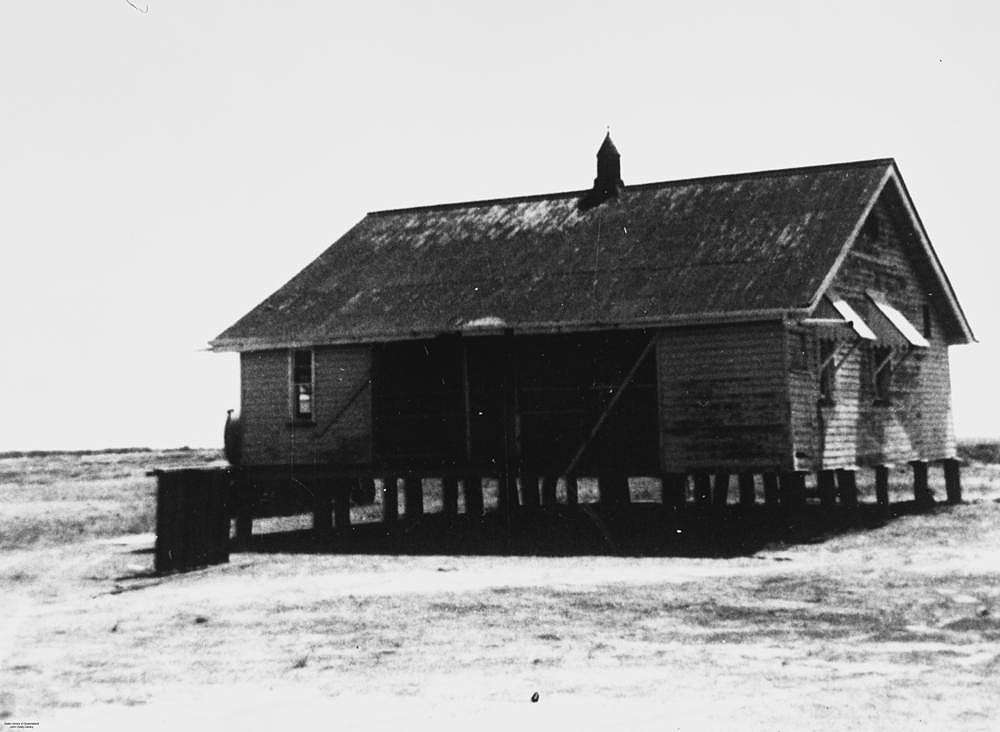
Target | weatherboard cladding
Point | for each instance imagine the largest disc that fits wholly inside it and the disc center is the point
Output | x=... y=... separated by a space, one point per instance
x=723 y=397
x=271 y=436
x=656 y=253
x=916 y=422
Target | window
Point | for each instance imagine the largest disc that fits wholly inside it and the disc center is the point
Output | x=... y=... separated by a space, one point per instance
x=302 y=384
x=800 y=353
x=927 y=321
x=881 y=364
x=827 y=348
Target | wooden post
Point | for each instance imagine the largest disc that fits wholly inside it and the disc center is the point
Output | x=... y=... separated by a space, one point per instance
x=507 y=484
x=342 y=489
x=702 y=487
x=413 y=488
x=792 y=489
x=921 y=489
x=194 y=534
x=667 y=490
x=720 y=489
x=220 y=517
x=882 y=487
x=168 y=523
x=244 y=527
x=549 y=490
x=800 y=488
x=748 y=491
x=244 y=521
x=772 y=493
x=242 y=493
x=190 y=536
x=473 y=486
x=390 y=499
x=529 y=490
x=612 y=486
x=449 y=495
x=786 y=488
x=467 y=402
x=847 y=487
x=322 y=511
x=826 y=481
x=953 y=480
x=572 y=492
x=504 y=507
x=508 y=499
x=674 y=490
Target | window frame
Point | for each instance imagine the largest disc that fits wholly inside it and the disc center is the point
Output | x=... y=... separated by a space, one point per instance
x=801 y=352
x=294 y=382
x=881 y=376
x=827 y=372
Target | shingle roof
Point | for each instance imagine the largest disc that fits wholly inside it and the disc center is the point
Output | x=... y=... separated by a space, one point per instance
x=661 y=252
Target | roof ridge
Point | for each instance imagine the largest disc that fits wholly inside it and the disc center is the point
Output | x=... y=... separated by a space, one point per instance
x=639 y=186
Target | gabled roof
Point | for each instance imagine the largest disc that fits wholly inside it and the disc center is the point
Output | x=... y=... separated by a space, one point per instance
x=746 y=246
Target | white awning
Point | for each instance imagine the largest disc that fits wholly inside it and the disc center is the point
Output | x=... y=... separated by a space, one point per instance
x=859 y=326
x=836 y=312
x=898 y=321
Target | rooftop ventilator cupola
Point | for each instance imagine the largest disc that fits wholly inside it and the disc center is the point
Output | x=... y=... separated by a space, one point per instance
x=608 y=182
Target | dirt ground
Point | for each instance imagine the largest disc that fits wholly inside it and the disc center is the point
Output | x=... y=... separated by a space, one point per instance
x=895 y=627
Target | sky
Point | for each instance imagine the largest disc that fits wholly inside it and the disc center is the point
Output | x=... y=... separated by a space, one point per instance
x=163 y=172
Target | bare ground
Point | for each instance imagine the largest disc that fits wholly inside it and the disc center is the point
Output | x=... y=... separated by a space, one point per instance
x=896 y=627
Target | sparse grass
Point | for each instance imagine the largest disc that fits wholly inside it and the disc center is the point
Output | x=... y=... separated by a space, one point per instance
x=54 y=498
x=51 y=498
x=762 y=642
x=979 y=451
x=895 y=627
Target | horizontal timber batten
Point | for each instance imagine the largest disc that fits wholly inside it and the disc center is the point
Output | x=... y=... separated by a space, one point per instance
x=325 y=472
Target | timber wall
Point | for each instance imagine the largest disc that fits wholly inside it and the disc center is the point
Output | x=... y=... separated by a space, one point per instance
x=723 y=397
x=855 y=430
x=271 y=436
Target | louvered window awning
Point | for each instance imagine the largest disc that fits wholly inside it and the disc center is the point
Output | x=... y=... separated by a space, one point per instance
x=836 y=313
x=886 y=323
x=858 y=325
x=898 y=325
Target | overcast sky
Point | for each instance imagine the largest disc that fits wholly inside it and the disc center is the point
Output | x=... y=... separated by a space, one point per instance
x=162 y=173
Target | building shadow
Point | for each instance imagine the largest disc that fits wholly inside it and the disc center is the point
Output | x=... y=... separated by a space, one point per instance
x=637 y=530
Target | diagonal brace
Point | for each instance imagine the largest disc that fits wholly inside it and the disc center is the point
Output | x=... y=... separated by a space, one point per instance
x=610 y=406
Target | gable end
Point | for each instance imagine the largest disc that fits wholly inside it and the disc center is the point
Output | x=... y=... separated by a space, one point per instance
x=890 y=237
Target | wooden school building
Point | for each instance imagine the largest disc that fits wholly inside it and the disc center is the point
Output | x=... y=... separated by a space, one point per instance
x=757 y=326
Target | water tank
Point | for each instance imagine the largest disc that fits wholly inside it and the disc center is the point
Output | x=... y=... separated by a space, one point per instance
x=232 y=439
